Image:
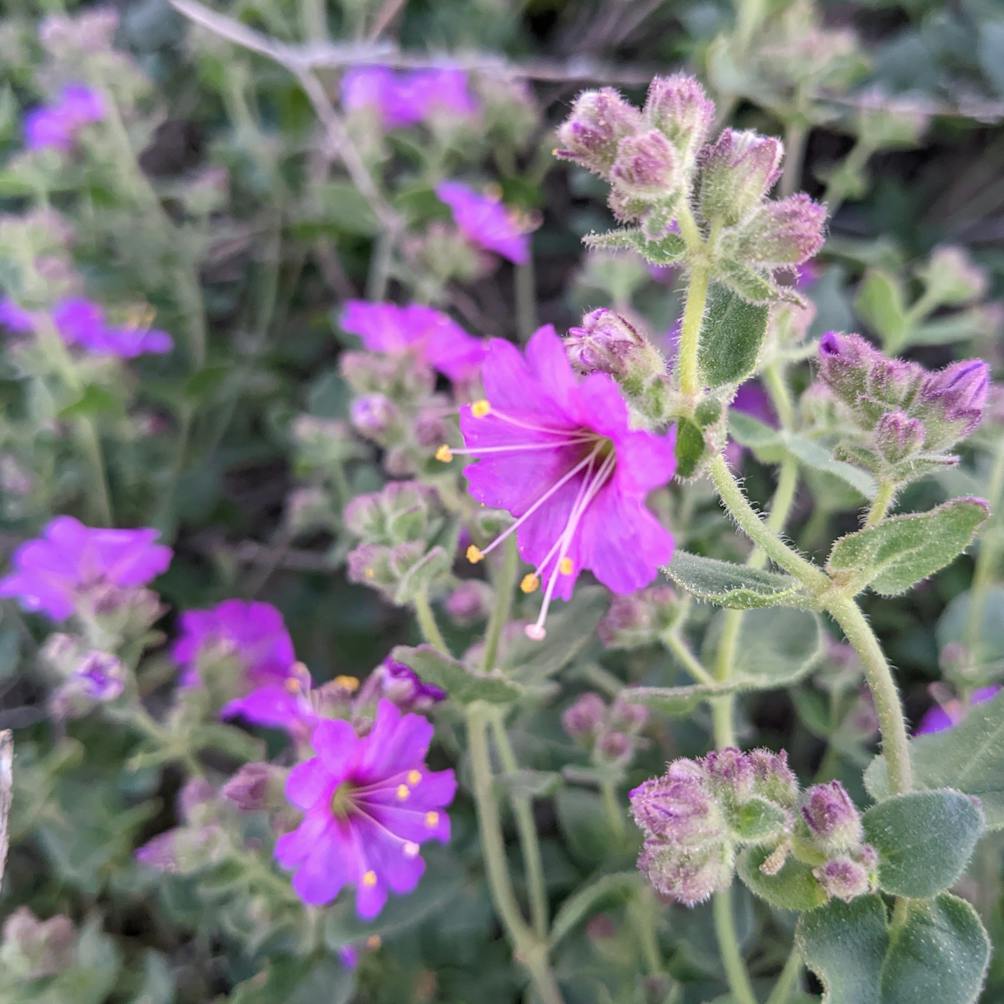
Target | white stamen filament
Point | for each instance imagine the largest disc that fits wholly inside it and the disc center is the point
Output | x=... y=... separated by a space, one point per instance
x=476 y=451
x=556 y=546
x=557 y=486
x=536 y=630
x=520 y=424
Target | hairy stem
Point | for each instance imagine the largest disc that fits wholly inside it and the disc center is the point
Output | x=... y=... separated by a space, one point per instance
x=986 y=559
x=681 y=651
x=505 y=582
x=427 y=622
x=881 y=504
x=795 y=137
x=895 y=740
x=728 y=948
x=690 y=332
x=787 y=982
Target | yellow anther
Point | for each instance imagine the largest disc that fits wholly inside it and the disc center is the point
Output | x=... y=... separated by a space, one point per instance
x=432 y=819
x=374 y=941
x=403 y=791
x=411 y=849
x=479 y=409
x=474 y=554
x=349 y=683
x=369 y=573
x=414 y=776
x=292 y=684
x=369 y=879
x=565 y=566
x=530 y=583
x=444 y=454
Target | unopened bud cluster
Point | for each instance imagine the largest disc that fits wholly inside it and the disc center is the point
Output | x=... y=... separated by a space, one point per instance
x=608 y=731
x=699 y=814
x=640 y=618
x=663 y=168
x=906 y=418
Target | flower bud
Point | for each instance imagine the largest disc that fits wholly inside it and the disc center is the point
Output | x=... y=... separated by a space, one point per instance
x=32 y=949
x=606 y=342
x=831 y=817
x=730 y=773
x=739 y=169
x=405 y=688
x=678 y=807
x=687 y=876
x=256 y=786
x=469 y=603
x=639 y=618
x=646 y=168
x=773 y=778
x=183 y=850
x=196 y=800
x=952 y=402
x=373 y=416
x=591 y=134
x=848 y=876
x=679 y=108
x=584 y=718
x=952 y=278
x=897 y=436
x=400 y=511
x=615 y=748
x=627 y=716
x=786 y=232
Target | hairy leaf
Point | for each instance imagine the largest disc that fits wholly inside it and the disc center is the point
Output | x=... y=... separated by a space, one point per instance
x=731 y=336
x=731 y=585
x=461 y=684
x=792 y=888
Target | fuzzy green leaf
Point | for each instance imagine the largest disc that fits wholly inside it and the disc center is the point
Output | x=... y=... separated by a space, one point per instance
x=731 y=336
x=880 y=304
x=776 y=647
x=792 y=888
x=748 y=284
x=461 y=685
x=690 y=448
x=731 y=585
x=666 y=250
x=899 y=552
x=757 y=820
x=968 y=757
x=924 y=840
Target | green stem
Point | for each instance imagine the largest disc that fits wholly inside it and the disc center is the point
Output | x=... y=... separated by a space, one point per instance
x=690 y=333
x=787 y=982
x=643 y=912
x=881 y=503
x=795 y=137
x=835 y=192
x=608 y=794
x=529 y=949
x=524 y=283
x=427 y=622
x=526 y=830
x=505 y=582
x=681 y=651
x=895 y=740
x=986 y=558
x=728 y=947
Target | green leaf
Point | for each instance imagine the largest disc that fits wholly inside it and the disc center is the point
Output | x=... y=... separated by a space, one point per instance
x=924 y=840
x=968 y=757
x=569 y=631
x=297 y=981
x=585 y=900
x=338 y=206
x=757 y=820
x=461 y=684
x=776 y=647
x=731 y=585
x=527 y=783
x=899 y=552
x=227 y=739
x=792 y=888
x=953 y=626
x=731 y=336
x=93 y=402
x=880 y=303
x=666 y=250
x=747 y=283
x=844 y=944
x=939 y=955
x=690 y=447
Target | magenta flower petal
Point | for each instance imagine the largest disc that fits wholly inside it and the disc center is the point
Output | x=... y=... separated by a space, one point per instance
x=369 y=803
x=485 y=221
x=56 y=126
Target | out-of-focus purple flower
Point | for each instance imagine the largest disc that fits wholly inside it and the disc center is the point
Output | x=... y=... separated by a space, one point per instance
x=402 y=685
x=558 y=452
x=753 y=400
x=253 y=634
x=56 y=126
x=82 y=323
x=405 y=99
x=944 y=716
x=806 y=276
x=485 y=221
x=103 y=676
x=438 y=340
x=584 y=718
x=15 y=318
x=369 y=803
x=255 y=786
x=70 y=561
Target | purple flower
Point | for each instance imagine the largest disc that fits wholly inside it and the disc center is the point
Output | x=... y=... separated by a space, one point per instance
x=252 y=633
x=944 y=716
x=485 y=221
x=753 y=400
x=369 y=803
x=82 y=323
x=15 y=318
x=402 y=685
x=56 y=126
x=70 y=561
x=405 y=99
x=285 y=702
x=439 y=341
x=558 y=452
x=102 y=675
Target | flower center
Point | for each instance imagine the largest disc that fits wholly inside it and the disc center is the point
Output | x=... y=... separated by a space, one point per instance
x=341 y=801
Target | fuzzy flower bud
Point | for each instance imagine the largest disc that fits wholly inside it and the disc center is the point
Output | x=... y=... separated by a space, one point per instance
x=678 y=807
x=952 y=401
x=469 y=603
x=605 y=342
x=897 y=436
x=646 y=168
x=373 y=416
x=679 y=108
x=831 y=817
x=739 y=169
x=627 y=716
x=256 y=786
x=952 y=278
x=731 y=773
x=401 y=511
x=591 y=134
x=584 y=718
x=687 y=876
x=786 y=232
x=773 y=778
x=847 y=876
x=638 y=618
x=615 y=748
x=32 y=949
